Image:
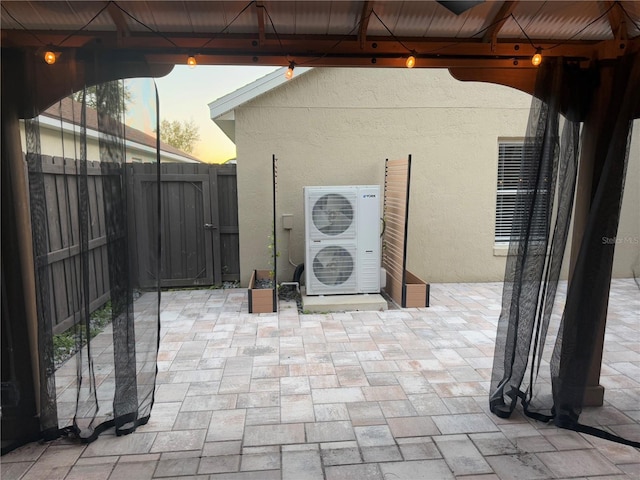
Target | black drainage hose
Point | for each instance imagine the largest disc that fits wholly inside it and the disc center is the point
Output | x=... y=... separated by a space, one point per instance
x=297 y=274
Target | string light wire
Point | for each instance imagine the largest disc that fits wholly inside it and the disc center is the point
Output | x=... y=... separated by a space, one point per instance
x=345 y=37
x=391 y=33
x=23 y=27
x=523 y=32
x=583 y=28
x=273 y=26
x=229 y=24
x=86 y=24
x=144 y=24
x=637 y=25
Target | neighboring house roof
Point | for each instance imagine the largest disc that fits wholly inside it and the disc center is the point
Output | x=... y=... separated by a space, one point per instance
x=222 y=110
x=70 y=112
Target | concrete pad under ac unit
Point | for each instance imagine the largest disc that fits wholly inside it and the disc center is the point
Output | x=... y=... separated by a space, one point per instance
x=343 y=303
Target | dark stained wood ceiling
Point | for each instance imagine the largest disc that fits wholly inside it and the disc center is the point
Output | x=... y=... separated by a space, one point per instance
x=490 y=41
x=328 y=33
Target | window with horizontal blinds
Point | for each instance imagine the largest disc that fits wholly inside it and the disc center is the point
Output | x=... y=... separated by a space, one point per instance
x=511 y=177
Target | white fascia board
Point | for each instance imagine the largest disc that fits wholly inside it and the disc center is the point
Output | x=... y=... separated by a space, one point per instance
x=231 y=101
x=67 y=127
x=164 y=155
x=229 y=116
x=131 y=146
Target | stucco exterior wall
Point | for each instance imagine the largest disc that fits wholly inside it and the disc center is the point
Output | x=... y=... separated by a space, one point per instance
x=337 y=127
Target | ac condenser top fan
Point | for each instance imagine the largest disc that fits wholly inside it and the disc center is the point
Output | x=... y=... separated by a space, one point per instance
x=332 y=214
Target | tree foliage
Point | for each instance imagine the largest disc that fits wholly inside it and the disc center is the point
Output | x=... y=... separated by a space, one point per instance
x=182 y=135
x=92 y=95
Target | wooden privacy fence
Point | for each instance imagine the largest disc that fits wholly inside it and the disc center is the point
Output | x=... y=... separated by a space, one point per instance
x=60 y=178
x=199 y=230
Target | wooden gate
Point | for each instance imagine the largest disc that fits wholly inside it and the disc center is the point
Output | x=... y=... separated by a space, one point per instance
x=199 y=224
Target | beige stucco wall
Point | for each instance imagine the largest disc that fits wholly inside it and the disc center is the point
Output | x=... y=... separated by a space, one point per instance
x=337 y=126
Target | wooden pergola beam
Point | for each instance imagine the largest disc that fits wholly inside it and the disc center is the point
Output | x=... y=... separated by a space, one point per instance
x=259 y=7
x=498 y=21
x=367 y=9
x=616 y=20
x=324 y=48
x=122 y=28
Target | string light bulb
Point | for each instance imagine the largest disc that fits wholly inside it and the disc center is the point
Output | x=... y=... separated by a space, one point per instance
x=191 y=61
x=537 y=57
x=50 y=57
x=411 y=61
x=289 y=73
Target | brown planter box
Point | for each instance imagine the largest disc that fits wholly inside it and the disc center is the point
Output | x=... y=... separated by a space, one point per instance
x=416 y=291
x=261 y=300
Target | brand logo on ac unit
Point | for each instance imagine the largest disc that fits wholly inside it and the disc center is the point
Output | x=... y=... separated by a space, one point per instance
x=369 y=195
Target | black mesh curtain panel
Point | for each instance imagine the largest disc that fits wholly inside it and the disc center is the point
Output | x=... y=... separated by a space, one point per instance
x=538 y=240
x=84 y=249
x=547 y=180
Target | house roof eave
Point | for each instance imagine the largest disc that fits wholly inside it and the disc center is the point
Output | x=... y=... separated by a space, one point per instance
x=228 y=103
x=228 y=127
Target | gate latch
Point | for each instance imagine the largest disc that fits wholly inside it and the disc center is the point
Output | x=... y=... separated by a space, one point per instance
x=210 y=226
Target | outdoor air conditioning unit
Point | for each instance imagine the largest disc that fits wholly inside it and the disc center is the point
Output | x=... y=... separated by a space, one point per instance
x=342 y=233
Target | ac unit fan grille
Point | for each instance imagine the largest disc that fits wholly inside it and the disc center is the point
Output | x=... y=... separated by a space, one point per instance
x=333 y=265
x=332 y=214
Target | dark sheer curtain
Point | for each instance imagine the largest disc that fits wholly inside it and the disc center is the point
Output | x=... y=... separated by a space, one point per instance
x=538 y=242
x=83 y=250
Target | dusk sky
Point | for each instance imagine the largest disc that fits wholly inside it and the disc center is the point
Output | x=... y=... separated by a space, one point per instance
x=185 y=93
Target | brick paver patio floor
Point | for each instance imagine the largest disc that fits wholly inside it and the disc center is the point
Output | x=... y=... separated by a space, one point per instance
x=399 y=394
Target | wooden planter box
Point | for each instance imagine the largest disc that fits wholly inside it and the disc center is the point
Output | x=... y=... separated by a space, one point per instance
x=416 y=291
x=261 y=300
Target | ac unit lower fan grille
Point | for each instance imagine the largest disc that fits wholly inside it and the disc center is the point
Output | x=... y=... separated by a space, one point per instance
x=333 y=265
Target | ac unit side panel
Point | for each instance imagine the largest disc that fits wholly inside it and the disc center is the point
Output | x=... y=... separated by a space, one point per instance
x=368 y=239
x=369 y=274
x=368 y=222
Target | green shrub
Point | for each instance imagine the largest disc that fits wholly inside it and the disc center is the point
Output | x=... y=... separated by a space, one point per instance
x=67 y=343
